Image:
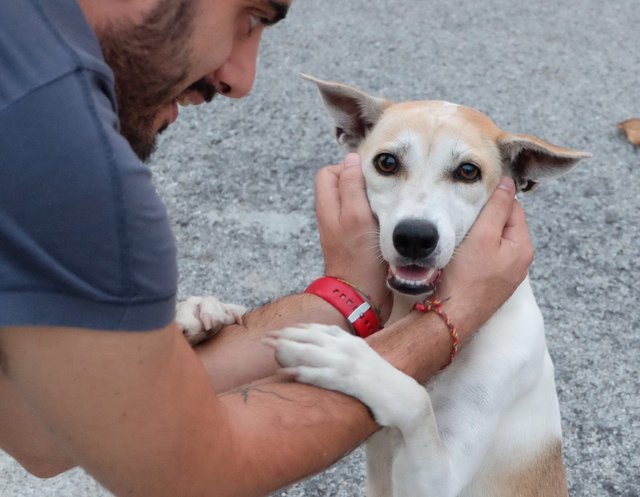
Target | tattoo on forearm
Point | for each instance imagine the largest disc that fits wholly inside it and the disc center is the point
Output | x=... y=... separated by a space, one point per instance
x=246 y=390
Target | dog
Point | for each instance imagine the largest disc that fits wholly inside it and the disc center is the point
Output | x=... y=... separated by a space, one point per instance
x=489 y=424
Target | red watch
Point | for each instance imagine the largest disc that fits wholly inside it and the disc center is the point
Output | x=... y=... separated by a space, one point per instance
x=360 y=314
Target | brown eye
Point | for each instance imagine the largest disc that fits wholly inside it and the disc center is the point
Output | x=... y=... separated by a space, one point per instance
x=386 y=164
x=467 y=172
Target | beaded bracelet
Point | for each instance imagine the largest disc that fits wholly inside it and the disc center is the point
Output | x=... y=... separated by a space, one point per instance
x=435 y=305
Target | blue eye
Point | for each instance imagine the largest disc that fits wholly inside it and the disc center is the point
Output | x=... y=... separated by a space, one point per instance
x=467 y=172
x=386 y=164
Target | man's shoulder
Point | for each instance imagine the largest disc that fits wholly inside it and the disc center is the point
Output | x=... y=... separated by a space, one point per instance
x=43 y=41
x=86 y=239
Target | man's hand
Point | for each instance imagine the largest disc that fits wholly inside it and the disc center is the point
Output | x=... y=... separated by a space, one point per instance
x=491 y=262
x=349 y=231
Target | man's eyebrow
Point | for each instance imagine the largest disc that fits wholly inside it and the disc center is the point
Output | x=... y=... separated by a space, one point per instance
x=280 y=10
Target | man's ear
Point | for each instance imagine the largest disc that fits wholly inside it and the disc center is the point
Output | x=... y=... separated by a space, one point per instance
x=530 y=160
x=353 y=111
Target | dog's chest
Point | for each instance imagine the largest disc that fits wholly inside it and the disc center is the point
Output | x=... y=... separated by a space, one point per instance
x=508 y=353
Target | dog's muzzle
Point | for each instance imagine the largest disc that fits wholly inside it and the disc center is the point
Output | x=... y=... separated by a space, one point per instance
x=414 y=240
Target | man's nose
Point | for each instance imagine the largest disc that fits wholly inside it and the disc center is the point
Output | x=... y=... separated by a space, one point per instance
x=236 y=76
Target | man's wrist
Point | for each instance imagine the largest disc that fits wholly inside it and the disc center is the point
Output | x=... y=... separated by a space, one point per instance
x=435 y=306
x=360 y=312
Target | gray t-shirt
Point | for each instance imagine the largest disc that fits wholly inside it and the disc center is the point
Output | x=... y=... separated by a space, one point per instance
x=84 y=239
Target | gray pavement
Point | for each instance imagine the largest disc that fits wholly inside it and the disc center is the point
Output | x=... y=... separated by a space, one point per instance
x=238 y=180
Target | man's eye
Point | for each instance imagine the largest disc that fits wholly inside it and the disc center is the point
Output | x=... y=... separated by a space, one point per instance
x=386 y=163
x=467 y=172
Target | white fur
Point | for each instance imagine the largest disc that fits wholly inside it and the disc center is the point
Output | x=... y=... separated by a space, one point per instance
x=494 y=407
x=494 y=411
x=200 y=318
x=421 y=196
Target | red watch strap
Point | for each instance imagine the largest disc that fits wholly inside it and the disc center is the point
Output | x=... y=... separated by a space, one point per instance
x=360 y=314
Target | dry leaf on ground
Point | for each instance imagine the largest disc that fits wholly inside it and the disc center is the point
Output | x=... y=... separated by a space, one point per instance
x=631 y=127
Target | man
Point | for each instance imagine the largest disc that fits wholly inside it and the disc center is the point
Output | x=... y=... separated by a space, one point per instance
x=93 y=372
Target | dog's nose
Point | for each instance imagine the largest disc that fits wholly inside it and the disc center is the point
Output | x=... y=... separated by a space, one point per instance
x=415 y=239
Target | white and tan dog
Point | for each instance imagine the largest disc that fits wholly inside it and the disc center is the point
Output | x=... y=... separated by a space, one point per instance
x=489 y=424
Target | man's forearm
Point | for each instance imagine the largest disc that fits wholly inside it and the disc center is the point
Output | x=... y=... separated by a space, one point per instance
x=301 y=418
x=155 y=404
x=418 y=344
x=291 y=431
x=236 y=356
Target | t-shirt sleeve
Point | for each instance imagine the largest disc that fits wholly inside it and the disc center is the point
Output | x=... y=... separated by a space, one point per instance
x=85 y=240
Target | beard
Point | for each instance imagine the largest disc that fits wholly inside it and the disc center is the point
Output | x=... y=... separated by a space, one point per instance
x=149 y=61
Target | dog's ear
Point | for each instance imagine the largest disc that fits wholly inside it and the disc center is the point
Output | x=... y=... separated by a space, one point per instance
x=530 y=160
x=353 y=111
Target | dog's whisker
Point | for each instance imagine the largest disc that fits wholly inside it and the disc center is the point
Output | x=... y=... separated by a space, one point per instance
x=371 y=241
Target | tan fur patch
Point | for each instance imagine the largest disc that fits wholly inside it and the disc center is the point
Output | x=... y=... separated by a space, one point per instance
x=544 y=477
x=432 y=120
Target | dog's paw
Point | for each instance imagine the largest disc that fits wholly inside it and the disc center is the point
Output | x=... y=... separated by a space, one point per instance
x=328 y=357
x=200 y=318
x=322 y=355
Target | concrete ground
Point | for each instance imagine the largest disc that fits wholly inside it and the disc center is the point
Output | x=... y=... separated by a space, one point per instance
x=238 y=180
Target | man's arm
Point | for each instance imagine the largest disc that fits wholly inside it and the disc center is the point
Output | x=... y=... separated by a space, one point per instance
x=237 y=356
x=137 y=411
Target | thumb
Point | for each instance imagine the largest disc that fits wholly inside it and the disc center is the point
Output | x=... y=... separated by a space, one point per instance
x=497 y=211
x=351 y=187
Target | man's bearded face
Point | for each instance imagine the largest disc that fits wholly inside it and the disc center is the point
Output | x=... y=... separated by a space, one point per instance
x=150 y=60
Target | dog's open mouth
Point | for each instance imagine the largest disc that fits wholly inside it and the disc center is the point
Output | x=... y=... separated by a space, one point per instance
x=413 y=279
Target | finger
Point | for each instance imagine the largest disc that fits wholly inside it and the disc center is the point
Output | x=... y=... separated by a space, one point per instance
x=516 y=229
x=517 y=234
x=496 y=212
x=352 y=191
x=327 y=196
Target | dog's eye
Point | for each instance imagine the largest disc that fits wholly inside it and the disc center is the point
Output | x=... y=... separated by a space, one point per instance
x=386 y=163
x=467 y=172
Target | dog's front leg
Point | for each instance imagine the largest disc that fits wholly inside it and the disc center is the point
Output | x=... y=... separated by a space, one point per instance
x=328 y=357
